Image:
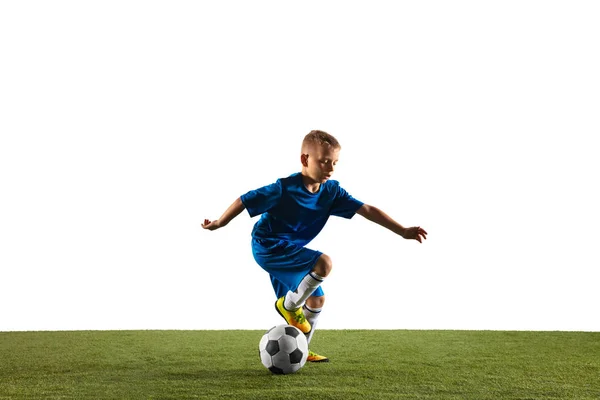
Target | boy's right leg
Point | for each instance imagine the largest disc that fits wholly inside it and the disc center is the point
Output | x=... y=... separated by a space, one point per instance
x=312 y=310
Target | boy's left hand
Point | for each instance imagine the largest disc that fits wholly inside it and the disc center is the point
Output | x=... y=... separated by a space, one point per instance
x=415 y=232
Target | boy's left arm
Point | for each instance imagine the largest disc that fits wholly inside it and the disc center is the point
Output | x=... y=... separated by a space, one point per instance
x=376 y=215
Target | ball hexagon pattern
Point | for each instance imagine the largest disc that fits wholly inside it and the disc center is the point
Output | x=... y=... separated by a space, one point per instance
x=283 y=349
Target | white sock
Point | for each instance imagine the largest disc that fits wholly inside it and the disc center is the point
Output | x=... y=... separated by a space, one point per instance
x=311 y=314
x=308 y=284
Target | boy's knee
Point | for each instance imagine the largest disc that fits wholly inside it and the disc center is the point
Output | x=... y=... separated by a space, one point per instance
x=315 y=302
x=323 y=266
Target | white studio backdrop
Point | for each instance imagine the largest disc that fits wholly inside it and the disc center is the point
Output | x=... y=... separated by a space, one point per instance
x=125 y=124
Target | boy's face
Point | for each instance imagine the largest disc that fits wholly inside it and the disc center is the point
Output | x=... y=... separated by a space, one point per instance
x=319 y=162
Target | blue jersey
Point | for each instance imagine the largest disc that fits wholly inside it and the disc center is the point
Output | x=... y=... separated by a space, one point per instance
x=290 y=212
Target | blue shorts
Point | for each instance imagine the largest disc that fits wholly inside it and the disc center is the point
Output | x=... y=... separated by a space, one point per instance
x=287 y=263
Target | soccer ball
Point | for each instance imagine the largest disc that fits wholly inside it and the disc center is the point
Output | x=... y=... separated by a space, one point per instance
x=283 y=349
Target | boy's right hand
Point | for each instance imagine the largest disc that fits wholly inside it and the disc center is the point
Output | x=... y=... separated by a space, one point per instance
x=211 y=225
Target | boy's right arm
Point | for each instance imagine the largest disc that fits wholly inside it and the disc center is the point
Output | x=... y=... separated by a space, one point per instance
x=233 y=211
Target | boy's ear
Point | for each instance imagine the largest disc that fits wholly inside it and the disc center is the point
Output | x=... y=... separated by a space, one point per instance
x=304 y=159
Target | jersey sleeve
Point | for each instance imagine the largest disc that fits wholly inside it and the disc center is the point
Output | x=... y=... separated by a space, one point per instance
x=344 y=205
x=263 y=199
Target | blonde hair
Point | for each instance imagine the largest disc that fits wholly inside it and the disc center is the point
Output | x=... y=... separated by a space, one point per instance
x=320 y=138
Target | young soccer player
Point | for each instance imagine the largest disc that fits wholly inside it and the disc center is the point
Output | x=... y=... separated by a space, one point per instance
x=294 y=210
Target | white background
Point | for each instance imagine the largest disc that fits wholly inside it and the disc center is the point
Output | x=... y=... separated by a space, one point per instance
x=124 y=124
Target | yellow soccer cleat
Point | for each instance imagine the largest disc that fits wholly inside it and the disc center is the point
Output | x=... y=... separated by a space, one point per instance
x=294 y=318
x=314 y=357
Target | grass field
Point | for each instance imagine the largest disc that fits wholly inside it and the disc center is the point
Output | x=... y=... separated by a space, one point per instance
x=364 y=365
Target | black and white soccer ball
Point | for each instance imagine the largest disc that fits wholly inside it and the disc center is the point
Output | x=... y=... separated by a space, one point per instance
x=283 y=349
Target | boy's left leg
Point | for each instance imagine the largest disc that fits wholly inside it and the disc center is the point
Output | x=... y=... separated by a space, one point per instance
x=312 y=310
x=290 y=306
x=306 y=287
x=289 y=266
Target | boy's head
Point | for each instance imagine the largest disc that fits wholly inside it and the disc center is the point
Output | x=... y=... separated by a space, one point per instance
x=319 y=155
x=320 y=138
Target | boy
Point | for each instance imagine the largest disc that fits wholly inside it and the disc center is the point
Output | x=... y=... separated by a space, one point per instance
x=294 y=210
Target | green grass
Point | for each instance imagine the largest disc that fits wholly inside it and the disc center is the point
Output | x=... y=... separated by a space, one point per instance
x=364 y=365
